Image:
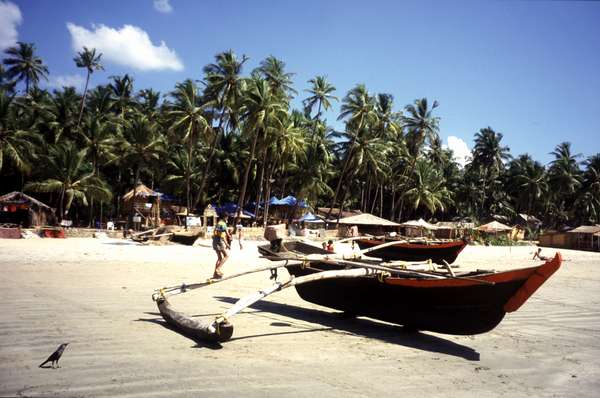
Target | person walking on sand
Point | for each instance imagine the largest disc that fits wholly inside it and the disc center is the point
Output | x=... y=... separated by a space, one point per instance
x=240 y=234
x=220 y=244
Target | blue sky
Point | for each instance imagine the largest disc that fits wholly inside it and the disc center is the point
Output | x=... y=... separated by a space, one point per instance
x=528 y=69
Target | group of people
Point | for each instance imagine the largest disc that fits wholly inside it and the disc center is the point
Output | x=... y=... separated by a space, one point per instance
x=221 y=243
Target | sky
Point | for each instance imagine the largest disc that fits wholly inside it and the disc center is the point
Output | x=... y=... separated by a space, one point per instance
x=527 y=69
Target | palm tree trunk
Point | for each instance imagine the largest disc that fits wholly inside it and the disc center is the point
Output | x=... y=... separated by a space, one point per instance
x=87 y=80
x=267 y=196
x=60 y=203
x=245 y=180
x=374 y=201
x=341 y=178
x=259 y=191
x=381 y=202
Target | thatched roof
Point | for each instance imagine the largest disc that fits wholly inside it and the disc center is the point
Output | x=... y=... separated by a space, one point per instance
x=141 y=191
x=21 y=198
x=323 y=211
x=529 y=218
x=367 y=219
x=585 y=229
x=454 y=225
x=494 y=226
x=420 y=223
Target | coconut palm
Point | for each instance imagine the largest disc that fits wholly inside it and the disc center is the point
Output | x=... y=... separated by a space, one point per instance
x=427 y=188
x=142 y=144
x=15 y=144
x=71 y=176
x=91 y=62
x=273 y=71
x=420 y=124
x=261 y=110
x=321 y=95
x=122 y=87
x=24 y=65
x=358 y=108
x=223 y=91
x=189 y=119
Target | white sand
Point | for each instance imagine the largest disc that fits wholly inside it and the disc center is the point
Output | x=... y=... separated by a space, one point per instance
x=95 y=294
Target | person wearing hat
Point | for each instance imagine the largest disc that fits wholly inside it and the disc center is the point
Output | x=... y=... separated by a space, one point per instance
x=220 y=243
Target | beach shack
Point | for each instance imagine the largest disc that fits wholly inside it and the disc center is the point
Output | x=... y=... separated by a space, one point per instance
x=367 y=224
x=585 y=237
x=452 y=229
x=145 y=205
x=418 y=228
x=22 y=210
x=495 y=229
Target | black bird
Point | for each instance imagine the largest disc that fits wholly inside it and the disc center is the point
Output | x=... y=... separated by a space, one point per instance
x=55 y=356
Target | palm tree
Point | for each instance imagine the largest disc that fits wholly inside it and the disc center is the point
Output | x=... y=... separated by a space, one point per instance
x=71 y=176
x=489 y=156
x=142 y=145
x=420 y=124
x=23 y=64
x=531 y=180
x=89 y=60
x=359 y=109
x=273 y=71
x=15 y=144
x=564 y=177
x=122 y=88
x=320 y=95
x=224 y=91
x=427 y=188
x=188 y=118
x=261 y=110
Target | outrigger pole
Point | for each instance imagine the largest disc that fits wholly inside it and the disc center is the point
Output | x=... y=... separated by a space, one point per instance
x=220 y=329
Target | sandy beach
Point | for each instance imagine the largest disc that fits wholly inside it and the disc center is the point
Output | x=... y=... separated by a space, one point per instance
x=96 y=294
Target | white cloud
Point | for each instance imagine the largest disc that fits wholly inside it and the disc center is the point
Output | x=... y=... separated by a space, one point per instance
x=163 y=6
x=60 y=81
x=128 y=46
x=10 y=17
x=461 y=152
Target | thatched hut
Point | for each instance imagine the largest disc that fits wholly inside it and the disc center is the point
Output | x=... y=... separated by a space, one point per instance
x=585 y=237
x=144 y=203
x=21 y=209
x=367 y=224
x=496 y=229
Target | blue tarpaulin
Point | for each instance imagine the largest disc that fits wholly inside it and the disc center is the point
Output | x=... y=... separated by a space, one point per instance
x=231 y=210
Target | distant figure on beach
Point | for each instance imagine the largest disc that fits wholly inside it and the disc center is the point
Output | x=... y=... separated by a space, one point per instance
x=354 y=231
x=329 y=247
x=538 y=254
x=220 y=244
x=240 y=233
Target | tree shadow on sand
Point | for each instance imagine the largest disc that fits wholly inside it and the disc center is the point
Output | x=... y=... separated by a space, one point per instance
x=365 y=327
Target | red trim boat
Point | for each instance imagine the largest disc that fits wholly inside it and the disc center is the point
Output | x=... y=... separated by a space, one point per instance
x=461 y=304
x=437 y=252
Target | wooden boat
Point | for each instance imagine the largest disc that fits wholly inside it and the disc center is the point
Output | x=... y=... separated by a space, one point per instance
x=438 y=252
x=462 y=304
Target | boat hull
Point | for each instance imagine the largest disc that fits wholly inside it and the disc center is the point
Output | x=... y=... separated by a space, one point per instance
x=450 y=306
x=436 y=252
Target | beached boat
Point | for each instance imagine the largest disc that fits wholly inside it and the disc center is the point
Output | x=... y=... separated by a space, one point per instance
x=415 y=250
x=445 y=302
x=431 y=300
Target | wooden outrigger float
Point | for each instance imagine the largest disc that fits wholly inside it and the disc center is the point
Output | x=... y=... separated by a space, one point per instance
x=434 y=299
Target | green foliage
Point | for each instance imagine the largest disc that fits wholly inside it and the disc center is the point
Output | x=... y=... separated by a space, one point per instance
x=236 y=137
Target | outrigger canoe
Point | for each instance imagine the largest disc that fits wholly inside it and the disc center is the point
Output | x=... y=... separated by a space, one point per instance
x=438 y=252
x=461 y=304
x=434 y=300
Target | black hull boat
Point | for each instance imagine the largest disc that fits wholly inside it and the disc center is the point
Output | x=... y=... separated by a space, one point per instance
x=459 y=304
x=398 y=292
x=437 y=252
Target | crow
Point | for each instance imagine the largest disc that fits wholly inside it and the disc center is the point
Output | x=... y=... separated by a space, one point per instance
x=55 y=356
